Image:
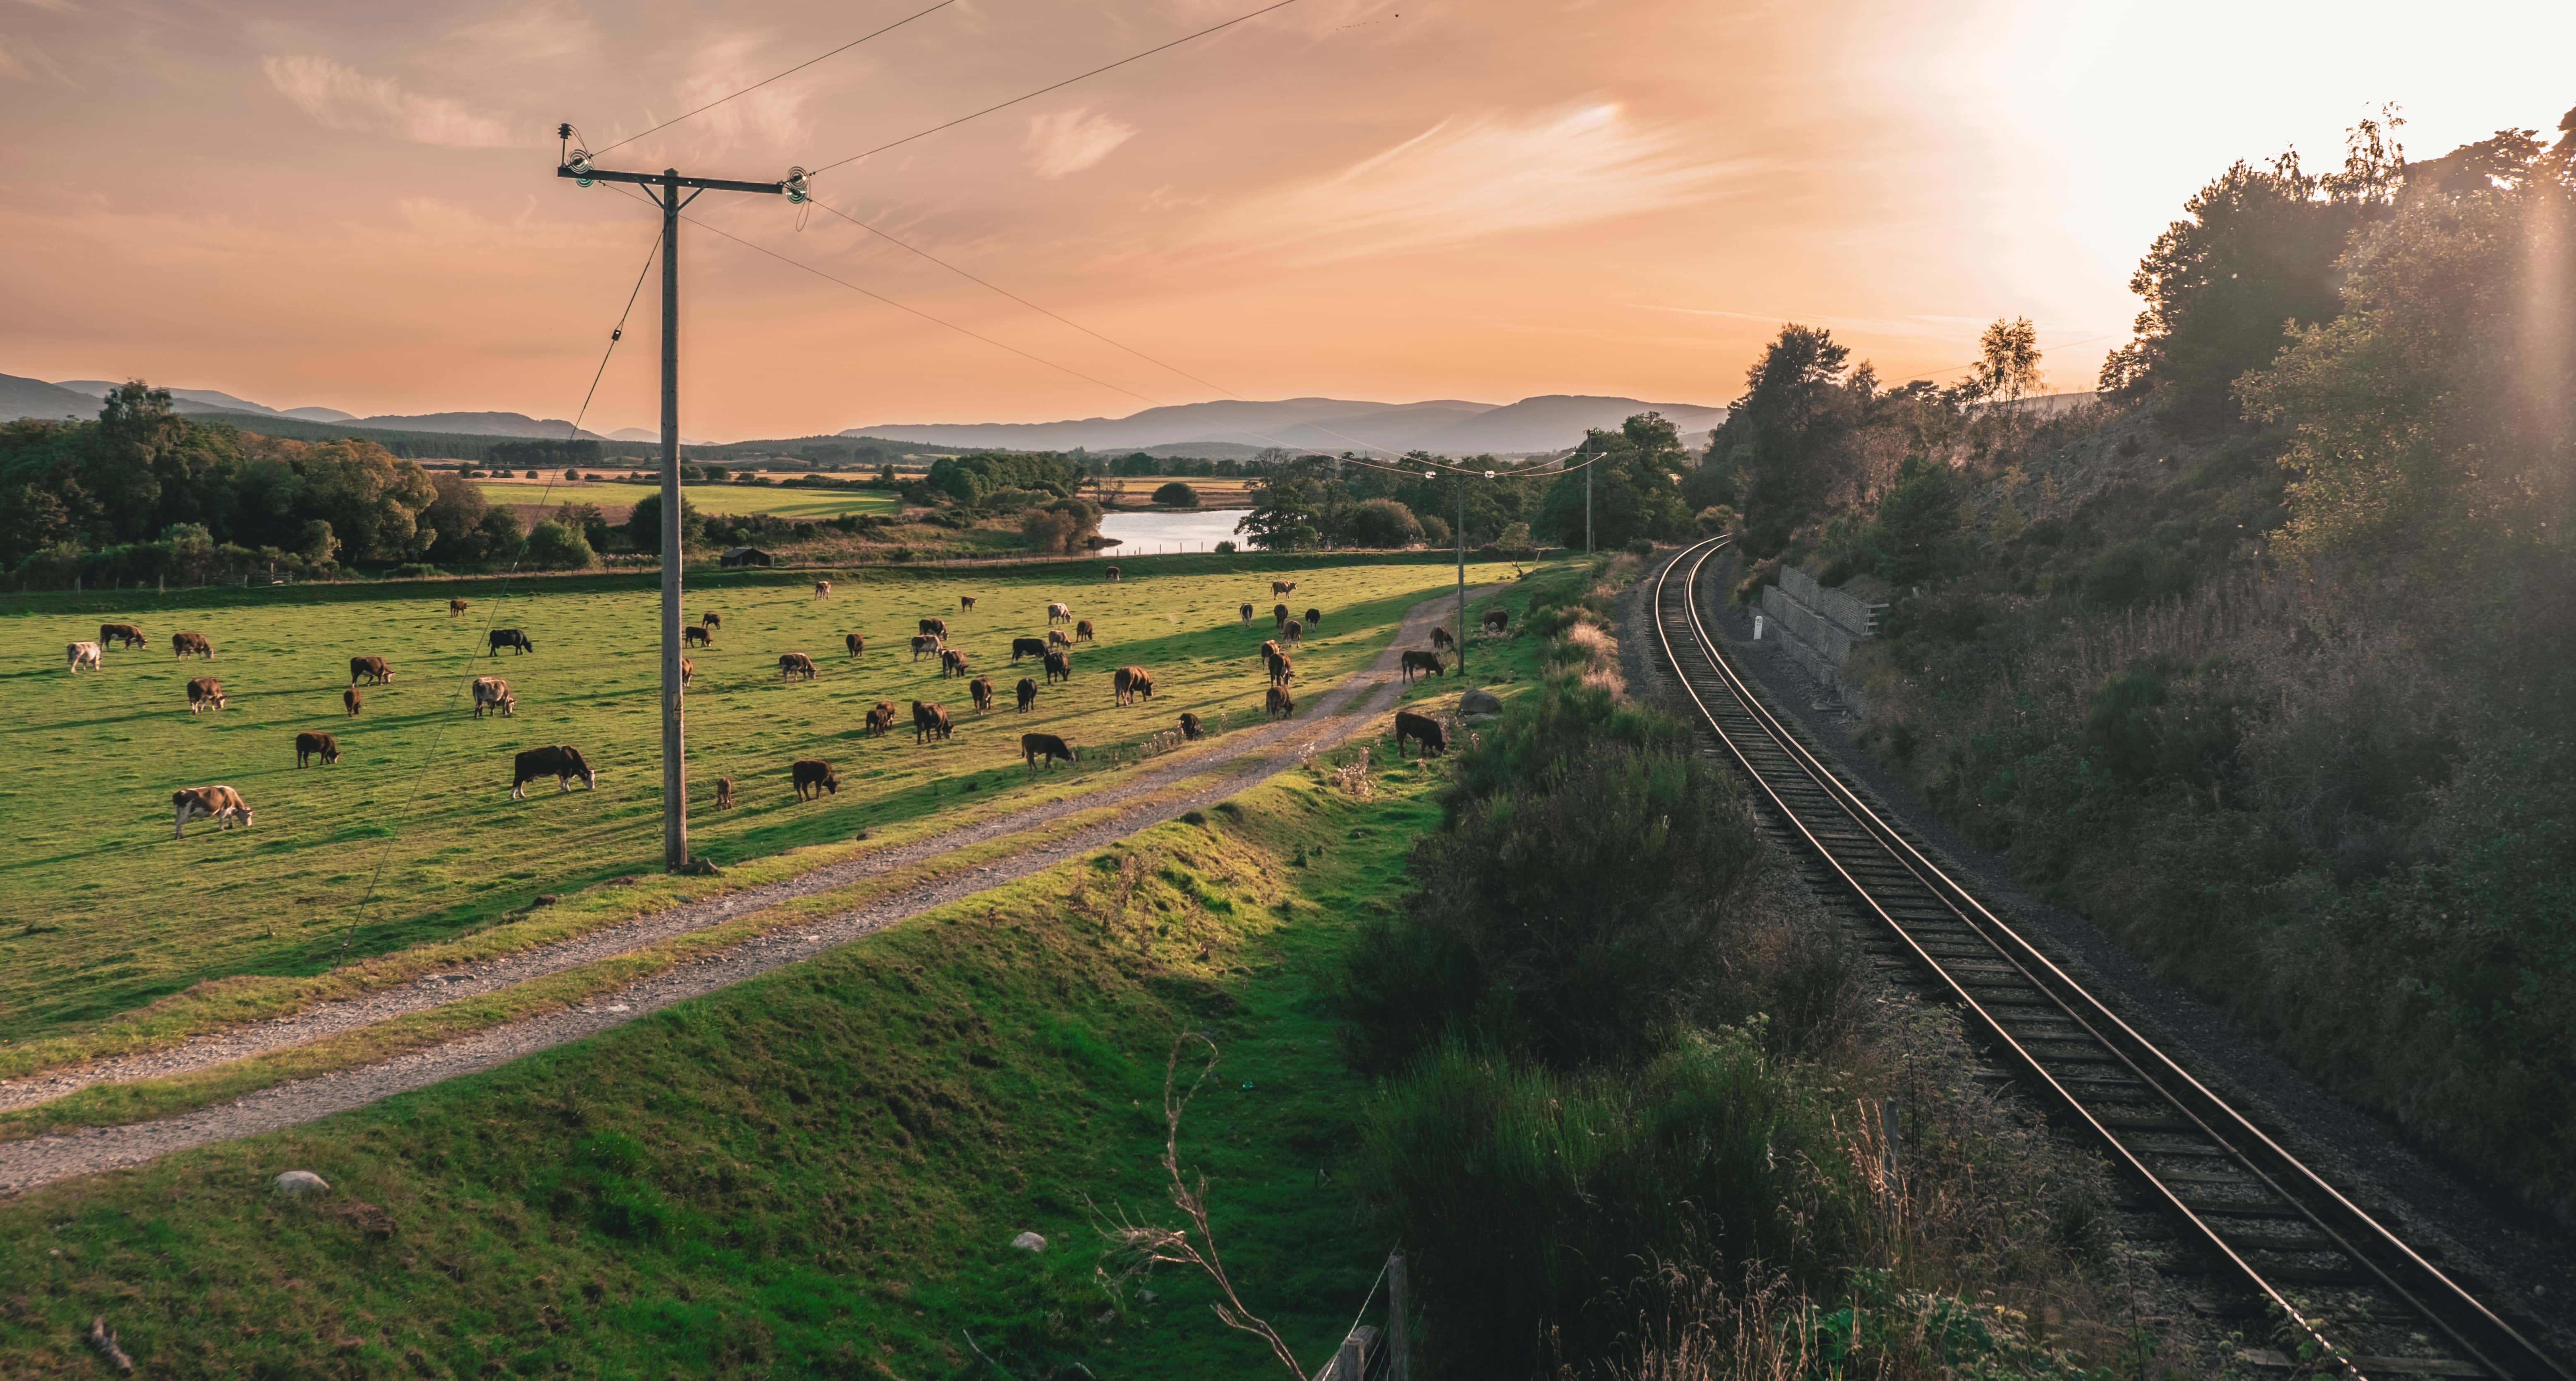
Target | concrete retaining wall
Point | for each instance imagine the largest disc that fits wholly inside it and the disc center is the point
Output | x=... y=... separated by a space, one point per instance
x=1817 y=626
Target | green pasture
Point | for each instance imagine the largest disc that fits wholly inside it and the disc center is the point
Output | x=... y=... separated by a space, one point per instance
x=782 y=501
x=102 y=912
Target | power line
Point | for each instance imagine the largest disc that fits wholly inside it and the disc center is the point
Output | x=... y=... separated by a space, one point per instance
x=755 y=86
x=1033 y=95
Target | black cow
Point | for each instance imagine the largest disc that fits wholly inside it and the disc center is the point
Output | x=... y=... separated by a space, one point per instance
x=1028 y=692
x=1191 y=730
x=854 y=643
x=928 y=722
x=510 y=637
x=1059 y=667
x=1421 y=729
x=981 y=688
x=1497 y=620
x=1046 y=748
x=309 y=745
x=697 y=635
x=937 y=628
x=562 y=762
x=1247 y=615
x=814 y=775
x=1314 y=618
x=1440 y=638
x=1417 y=662
x=1028 y=647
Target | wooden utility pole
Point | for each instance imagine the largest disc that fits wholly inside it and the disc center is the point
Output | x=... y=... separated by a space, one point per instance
x=664 y=188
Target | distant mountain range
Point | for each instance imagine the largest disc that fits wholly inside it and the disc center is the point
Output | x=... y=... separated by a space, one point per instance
x=1447 y=426
x=79 y=398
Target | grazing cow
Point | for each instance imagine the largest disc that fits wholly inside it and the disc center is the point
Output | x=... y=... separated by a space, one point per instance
x=724 y=793
x=1082 y=631
x=880 y=719
x=1417 y=662
x=181 y=644
x=1056 y=638
x=1440 y=638
x=1028 y=693
x=455 y=607
x=372 y=668
x=697 y=635
x=939 y=627
x=493 y=693
x=1283 y=672
x=814 y=775
x=1027 y=647
x=85 y=655
x=1294 y=633
x=923 y=642
x=688 y=670
x=1112 y=573
x=309 y=745
x=1131 y=681
x=1270 y=650
x=1282 y=587
x=713 y=620
x=122 y=634
x=822 y=589
x=1044 y=748
x=1314 y=618
x=1059 y=667
x=1421 y=729
x=205 y=693
x=929 y=722
x=952 y=662
x=854 y=643
x=965 y=602
x=219 y=803
x=1497 y=620
x=350 y=700
x=792 y=664
x=562 y=762
x=1247 y=614
x=1278 y=616
x=981 y=688
x=1279 y=704
x=1191 y=730
x=510 y=637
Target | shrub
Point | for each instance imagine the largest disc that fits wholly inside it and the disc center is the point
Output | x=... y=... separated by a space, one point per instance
x=1382 y=523
x=1642 y=548
x=554 y=546
x=1177 y=495
x=1062 y=525
x=1226 y=549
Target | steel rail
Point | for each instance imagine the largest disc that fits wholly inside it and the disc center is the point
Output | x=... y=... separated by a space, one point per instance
x=2378 y=1252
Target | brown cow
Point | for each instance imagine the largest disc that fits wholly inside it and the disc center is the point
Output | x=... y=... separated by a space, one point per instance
x=724 y=793
x=854 y=643
x=1028 y=693
x=928 y=722
x=952 y=662
x=791 y=664
x=372 y=668
x=310 y=744
x=182 y=644
x=1130 y=682
x=455 y=607
x=220 y=803
x=1082 y=631
x=84 y=655
x=965 y=602
x=1247 y=614
x=1314 y=618
x=1059 y=612
x=697 y=635
x=1191 y=730
x=1282 y=672
x=1112 y=573
x=981 y=688
x=713 y=620
x=1295 y=632
x=205 y=693
x=563 y=762
x=1282 y=587
x=1046 y=748
x=935 y=626
x=814 y=775
x=493 y=693
x=1278 y=616
x=688 y=670
x=880 y=719
x=922 y=643
x=350 y=700
x=1440 y=638
x=1279 y=704
x=822 y=589
x=1497 y=620
x=1059 y=667
x=1421 y=729
x=1415 y=662
x=1270 y=651
x=1056 y=638
x=122 y=634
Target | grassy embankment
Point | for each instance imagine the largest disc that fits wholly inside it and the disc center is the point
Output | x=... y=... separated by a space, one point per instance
x=107 y=947
x=818 y=1172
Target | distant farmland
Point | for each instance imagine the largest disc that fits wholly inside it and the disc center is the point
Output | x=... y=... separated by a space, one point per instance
x=616 y=498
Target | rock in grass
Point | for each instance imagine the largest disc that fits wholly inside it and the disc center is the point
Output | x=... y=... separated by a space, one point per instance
x=295 y=1184
x=1479 y=702
x=1029 y=1242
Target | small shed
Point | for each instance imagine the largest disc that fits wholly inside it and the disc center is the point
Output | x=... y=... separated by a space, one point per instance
x=747 y=556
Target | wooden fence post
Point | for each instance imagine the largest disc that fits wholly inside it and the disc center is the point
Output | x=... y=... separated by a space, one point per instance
x=1399 y=1325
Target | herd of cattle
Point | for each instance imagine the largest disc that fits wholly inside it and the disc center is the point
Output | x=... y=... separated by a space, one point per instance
x=811 y=778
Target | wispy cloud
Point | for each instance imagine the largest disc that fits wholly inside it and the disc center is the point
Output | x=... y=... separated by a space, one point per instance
x=1465 y=180
x=771 y=117
x=11 y=67
x=1072 y=140
x=345 y=98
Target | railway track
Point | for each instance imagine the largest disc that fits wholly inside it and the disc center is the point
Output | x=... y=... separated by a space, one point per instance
x=2264 y=1235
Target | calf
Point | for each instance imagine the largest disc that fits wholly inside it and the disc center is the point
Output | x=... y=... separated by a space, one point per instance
x=455 y=607
x=1059 y=667
x=696 y=635
x=1419 y=662
x=1028 y=693
x=84 y=655
x=309 y=745
x=183 y=644
x=965 y=602
x=929 y=722
x=952 y=662
x=1082 y=631
x=1191 y=730
x=1295 y=632
x=1282 y=672
x=1421 y=729
x=938 y=627
x=1112 y=573
x=1028 y=647
x=1279 y=704
x=794 y=664
x=922 y=643
x=1440 y=638
x=509 y=637
x=1247 y=614
x=218 y=803
x=372 y=668
x=713 y=620
x=1044 y=748
x=205 y=693
x=350 y=700
x=822 y=589
x=1057 y=638
x=854 y=643
x=1278 y=616
x=880 y=719
x=562 y=762
x=1282 y=587
x=122 y=634
x=981 y=688
x=814 y=775
x=1497 y=620
x=1130 y=682
x=724 y=793
x=492 y=693
x=1058 y=612
x=1314 y=618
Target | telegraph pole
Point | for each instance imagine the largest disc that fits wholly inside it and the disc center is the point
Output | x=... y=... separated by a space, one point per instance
x=1462 y=576
x=664 y=189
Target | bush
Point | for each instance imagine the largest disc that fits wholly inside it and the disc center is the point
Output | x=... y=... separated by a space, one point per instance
x=1177 y=495
x=1062 y=526
x=1226 y=549
x=1435 y=530
x=1642 y=548
x=1382 y=523
x=554 y=546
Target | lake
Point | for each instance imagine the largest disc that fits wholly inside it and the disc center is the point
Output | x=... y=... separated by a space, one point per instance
x=1143 y=534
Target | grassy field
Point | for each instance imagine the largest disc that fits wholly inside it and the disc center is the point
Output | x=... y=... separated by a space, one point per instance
x=615 y=497
x=106 y=914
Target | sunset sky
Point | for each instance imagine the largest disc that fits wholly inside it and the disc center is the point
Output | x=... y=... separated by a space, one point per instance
x=354 y=206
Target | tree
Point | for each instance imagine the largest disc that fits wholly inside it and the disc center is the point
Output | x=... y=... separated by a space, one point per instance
x=2007 y=368
x=1916 y=533
x=1287 y=508
x=644 y=523
x=455 y=516
x=1788 y=444
x=497 y=535
x=1636 y=489
x=1177 y=495
x=1061 y=526
x=1381 y=523
x=555 y=546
